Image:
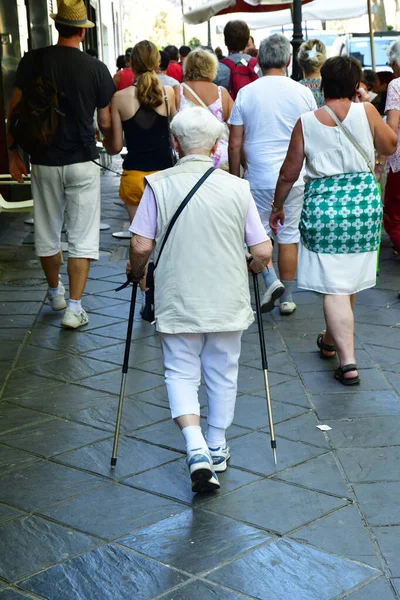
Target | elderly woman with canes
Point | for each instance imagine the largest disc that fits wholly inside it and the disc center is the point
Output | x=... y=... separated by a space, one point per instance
x=340 y=223
x=196 y=219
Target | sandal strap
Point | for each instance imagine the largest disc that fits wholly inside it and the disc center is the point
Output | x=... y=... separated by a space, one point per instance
x=348 y=368
x=321 y=344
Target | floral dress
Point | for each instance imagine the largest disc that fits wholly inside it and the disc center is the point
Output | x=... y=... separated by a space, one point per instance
x=314 y=84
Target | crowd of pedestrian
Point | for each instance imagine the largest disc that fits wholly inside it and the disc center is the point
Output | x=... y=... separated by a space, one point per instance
x=222 y=153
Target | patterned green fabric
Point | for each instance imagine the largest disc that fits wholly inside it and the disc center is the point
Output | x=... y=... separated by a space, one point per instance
x=342 y=214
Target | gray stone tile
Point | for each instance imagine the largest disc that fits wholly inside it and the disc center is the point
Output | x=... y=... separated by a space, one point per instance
x=389 y=316
x=19 y=384
x=17 y=321
x=141 y=329
x=321 y=474
x=98 y=287
x=32 y=355
x=286 y=569
x=371 y=464
x=94 y=575
x=386 y=358
x=9 y=348
x=371 y=380
x=22 y=295
x=11 y=459
x=13 y=417
x=52 y=437
x=303 y=429
x=396 y=585
x=378 y=589
x=363 y=433
x=71 y=368
x=10 y=594
x=172 y=479
x=201 y=589
x=53 y=543
x=342 y=533
x=294 y=506
x=253 y=453
x=356 y=404
x=136 y=381
x=290 y=391
x=194 y=540
x=97 y=303
x=277 y=363
x=389 y=542
x=378 y=335
x=112 y=511
x=394 y=380
x=251 y=411
x=7 y=513
x=311 y=361
x=376 y=297
x=135 y=414
x=139 y=354
x=68 y=341
x=43 y=484
x=134 y=456
x=380 y=502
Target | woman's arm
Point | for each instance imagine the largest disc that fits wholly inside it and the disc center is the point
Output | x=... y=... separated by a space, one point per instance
x=171 y=100
x=117 y=79
x=114 y=142
x=385 y=138
x=289 y=174
x=177 y=90
x=227 y=104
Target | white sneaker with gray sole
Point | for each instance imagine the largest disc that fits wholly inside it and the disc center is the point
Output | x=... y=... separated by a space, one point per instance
x=287 y=308
x=73 y=319
x=220 y=456
x=57 y=301
x=275 y=291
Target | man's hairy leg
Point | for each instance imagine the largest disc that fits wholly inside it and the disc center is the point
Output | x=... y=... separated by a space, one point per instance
x=78 y=271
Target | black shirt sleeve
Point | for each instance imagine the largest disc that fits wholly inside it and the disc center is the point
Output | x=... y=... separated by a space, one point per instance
x=24 y=71
x=106 y=87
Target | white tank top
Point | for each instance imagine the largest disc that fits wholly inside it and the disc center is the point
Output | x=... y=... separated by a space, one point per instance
x=329 y=152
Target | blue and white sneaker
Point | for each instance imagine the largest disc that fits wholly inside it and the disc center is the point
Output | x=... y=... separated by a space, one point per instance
x=201 y=471
x=220 y=456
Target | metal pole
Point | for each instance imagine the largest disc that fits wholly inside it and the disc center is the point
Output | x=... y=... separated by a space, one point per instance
x=371 y=36
x=209 y=34
x=297 y=40
x=183 y=24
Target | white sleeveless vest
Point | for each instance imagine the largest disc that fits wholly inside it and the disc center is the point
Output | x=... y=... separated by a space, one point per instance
x=201 y=282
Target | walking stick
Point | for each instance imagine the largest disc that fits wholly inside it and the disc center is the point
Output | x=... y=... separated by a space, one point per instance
x=264 y=364
x=124 y=371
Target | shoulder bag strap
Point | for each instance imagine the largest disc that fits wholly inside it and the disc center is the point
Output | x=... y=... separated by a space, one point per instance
x=199 y=100
x=180 y=209
x=351 y=138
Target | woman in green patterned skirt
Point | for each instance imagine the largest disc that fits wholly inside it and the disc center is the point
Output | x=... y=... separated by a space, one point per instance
x=342 y=213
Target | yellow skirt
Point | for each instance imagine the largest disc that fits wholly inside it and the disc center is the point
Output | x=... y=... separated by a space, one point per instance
x=132 y=186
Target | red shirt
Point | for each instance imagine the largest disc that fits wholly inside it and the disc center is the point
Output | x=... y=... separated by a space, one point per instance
x=126 y=78
x=175 y=70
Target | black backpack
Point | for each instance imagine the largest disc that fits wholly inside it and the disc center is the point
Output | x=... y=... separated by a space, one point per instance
x=36 y=118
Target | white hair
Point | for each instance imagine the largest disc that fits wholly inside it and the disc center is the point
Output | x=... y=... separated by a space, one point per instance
x=196 y=129
x=274 y=52
x=393 y=53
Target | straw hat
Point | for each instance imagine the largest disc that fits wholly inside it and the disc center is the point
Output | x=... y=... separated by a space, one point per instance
x=72 y=13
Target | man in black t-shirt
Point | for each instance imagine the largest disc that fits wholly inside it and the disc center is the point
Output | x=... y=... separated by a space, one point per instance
x=65 y=181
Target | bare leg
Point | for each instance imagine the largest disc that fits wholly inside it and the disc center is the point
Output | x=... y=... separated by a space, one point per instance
x=287 y=261
x=340 y=328
x=51 y=268
x=78 y=271
x=187 y=420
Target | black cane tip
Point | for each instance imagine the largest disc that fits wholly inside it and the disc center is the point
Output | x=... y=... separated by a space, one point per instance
x=273 y=444
x=113 y=462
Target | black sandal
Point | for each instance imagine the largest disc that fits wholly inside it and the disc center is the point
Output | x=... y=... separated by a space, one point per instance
x=340 y=372
x=327 y=347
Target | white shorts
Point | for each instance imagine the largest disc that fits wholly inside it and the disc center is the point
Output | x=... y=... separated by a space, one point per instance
x=70 y=193
x=289 y=232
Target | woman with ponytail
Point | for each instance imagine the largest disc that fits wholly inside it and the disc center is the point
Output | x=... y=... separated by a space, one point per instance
x=140 y=114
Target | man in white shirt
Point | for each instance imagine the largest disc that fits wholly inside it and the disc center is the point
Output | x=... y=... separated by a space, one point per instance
x=262 y=121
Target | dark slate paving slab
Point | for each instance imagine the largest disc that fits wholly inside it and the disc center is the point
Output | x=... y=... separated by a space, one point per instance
x=69 y=341
x=134 y=456
x=290 y=391
x=12 y=417
x=94 y=575
x=371 y=380
x=9 y=348
x=194 y=540
x=356 y=404
x=342 y=533
x=7 y=513
x=52 y=437
x=203 y=590
x=43 y=484
x=253 y=453
x=251 y=380
x=11 y=459
x=139 y=354
x=71 y=368
x=12 y=296
x=321 y=474
x=303 y=429
x=13 y=595
x=308 y=362
x=396 y=585
x=286 y=569
x=380 y=502
x=172 y=479
x=277 y=363
x=135 y=415
x=251 y=411
x=364 y=433
x=388 y=316
x=32 y=355
x=376 y=297
x=389 y=542
x=387 y=358
x=112 y=511
x=52 y=543
x=95 y=304
x=17 y=321
x=136 y=381
x=20 y=384
x=371 y=464
x=141 y=329
x=394 y=379
x=377 y=589
x=253 y=503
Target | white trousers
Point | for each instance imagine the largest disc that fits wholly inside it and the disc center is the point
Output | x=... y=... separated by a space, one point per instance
x=288 y=233
x=71 y=193
x=216 y=356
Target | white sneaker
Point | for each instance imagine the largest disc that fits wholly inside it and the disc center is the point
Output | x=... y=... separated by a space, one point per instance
x=73 y=319
x=57 y=301
x=220 y=456
x=274 y=292
x=287 y=308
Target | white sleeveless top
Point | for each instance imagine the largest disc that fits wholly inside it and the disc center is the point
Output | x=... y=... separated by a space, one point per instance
x=329 y=152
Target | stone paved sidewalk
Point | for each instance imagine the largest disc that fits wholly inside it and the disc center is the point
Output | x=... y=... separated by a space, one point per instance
x=323 y=525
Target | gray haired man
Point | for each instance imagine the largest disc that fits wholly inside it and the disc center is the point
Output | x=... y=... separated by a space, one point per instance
x=262 y=121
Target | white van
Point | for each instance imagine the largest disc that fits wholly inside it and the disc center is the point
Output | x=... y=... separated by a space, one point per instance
x=359 y=46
